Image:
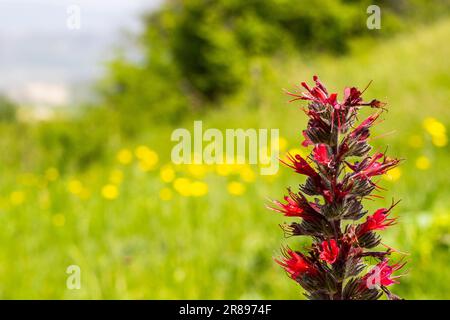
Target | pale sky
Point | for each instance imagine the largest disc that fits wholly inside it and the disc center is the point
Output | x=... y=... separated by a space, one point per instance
x=50 y=15
x=37 y=46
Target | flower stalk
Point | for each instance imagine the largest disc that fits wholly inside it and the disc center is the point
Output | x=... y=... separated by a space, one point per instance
x=340 y=173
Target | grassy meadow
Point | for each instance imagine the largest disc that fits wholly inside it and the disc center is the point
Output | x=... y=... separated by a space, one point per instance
x=140 y=227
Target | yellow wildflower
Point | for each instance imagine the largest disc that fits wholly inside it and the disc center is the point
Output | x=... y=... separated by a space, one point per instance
x=423 y=163
x=75 y=187
x=247 y=174
x=236 y=188
x=182 y=186
x=147 y=158
x=437 y=131
x=433 y=126
x=124 y=156
x=17 y=197
x=441 y=219
x=142 y=152
x=167 y=173
x=197 y=170
x=110 y=192
x=282 y=143
x=440 y=140
x=224 y=169
x=199 y=188
x=393 y=174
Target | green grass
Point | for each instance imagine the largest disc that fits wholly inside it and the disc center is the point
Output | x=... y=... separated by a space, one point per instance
x=221 y=245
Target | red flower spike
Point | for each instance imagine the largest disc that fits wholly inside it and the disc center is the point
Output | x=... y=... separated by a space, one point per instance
x=329 y=251
x=330 y=197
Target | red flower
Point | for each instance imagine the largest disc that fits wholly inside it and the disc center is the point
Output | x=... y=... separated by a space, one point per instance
x=370 y=166
x=377 y=221
x=352 y=97
x=290 y=209
x=330 y=197
x=300 y=165
x=317 y=94
x=361 y=132
x=329 y=251
x=295 y=264
x=321 y=154
x=381 y=275
x=337 y=192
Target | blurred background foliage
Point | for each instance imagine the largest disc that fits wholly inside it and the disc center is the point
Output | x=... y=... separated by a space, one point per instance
x=94 y=185
x=202 y=51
